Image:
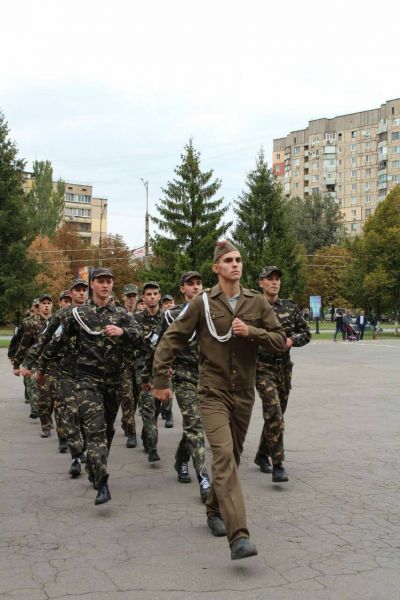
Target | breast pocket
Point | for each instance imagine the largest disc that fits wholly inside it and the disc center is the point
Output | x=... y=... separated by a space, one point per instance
x=250 y=318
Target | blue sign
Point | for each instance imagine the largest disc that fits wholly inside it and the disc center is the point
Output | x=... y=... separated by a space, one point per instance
x=315 y=306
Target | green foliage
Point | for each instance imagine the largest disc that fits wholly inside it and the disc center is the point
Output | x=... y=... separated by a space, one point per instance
x=326 y=270
x=376 y=264
x=46 y=203
x=191 y=219
x=316 y=221
x=262 y=231
x=17 y=271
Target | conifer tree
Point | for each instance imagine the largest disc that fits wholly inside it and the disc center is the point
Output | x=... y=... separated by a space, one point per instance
x=189 y=224
x=45 y=201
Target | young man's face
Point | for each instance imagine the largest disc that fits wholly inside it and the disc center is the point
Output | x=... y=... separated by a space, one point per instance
x=271 y=284
x=151 y=297
x=167 y=304
x=229 y=266
x=130 y=301
x=190 y=289
x=102 y=287
x=65 y=302
x=79 y=294
x=45 y=307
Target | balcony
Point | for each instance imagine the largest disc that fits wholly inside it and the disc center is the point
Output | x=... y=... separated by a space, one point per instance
x=329 y=149
x=382 y=144
x=382 y=128
x=306 y=190
x=306 y=177
x=382 y=186
x=330 y=179
x=287 y=188
x=382 y=171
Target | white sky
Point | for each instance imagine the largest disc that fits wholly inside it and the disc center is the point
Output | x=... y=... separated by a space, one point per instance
x=112 y=91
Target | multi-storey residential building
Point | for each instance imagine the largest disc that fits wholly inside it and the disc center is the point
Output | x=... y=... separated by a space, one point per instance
x=355 y=158
x=86 y=215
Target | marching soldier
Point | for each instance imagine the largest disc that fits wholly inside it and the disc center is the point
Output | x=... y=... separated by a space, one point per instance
x=274 y=374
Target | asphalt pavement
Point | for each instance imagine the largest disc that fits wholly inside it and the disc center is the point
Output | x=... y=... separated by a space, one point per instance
x=331 y=532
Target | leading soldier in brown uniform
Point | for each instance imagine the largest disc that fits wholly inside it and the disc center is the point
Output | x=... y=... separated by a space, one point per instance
x=231 y=322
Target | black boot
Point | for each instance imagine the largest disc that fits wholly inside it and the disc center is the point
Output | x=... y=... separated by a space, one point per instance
x=183 y=472
x=131 y=441
x=153 y=455
x=263 y=463
x=169 y=420
x=75 y=469
x=279 y=474
x=103 y=494
x=204 y=483
x=62 y=445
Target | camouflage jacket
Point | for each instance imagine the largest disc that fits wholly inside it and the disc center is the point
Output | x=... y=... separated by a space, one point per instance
x=32 y=330
x=17 y=337
x=65 y=361
x=97 y=355
x=151 y=326
x=295 y=327
x=186 y=364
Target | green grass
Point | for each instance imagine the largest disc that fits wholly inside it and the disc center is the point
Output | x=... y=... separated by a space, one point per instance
x=4 y=343
x=6 y=330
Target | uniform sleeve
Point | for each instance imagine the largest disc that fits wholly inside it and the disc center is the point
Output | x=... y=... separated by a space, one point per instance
x=132 y=332
x=174 y=340
x=32 y=358
x=302 y=335
x=25 y=343
x=15 y=340
x=272 y=335
x=64 y=331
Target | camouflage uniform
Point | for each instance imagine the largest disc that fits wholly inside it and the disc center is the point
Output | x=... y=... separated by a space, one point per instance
x=128 y=391
x=99 y=360
x=273 y=380
x=32 y=328
x=149 y=407
x=185 y=379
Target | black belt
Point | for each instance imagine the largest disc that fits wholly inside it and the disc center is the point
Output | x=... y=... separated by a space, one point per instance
x=276 y=360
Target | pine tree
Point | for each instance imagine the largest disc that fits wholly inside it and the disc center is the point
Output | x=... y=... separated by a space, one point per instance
x=262 y=232
x=17 y=270
x=191 y=218
x=45 y=202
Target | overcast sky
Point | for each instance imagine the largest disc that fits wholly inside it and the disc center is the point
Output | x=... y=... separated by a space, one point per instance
x=112 y=91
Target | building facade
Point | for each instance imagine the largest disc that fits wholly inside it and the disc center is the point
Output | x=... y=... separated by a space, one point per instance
x=86 y=214
x=355 y=158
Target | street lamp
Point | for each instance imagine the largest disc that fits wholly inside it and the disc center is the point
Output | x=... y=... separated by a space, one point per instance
x=146 y=223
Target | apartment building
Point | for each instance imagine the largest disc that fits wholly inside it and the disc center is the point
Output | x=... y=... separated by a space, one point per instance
x=86 y=214
x=355 y=158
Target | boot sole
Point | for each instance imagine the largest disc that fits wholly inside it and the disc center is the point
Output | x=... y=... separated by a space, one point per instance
x=244 y=554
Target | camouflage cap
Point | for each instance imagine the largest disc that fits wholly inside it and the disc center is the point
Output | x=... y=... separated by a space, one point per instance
x=223 y=247
x=167 y=297
x=101 y=272
x=35 y=301
x=45 y=297
x=65 y=294
x=266 y=272
x=76 y=282
x=151 y=284
x=130 y=288
x=189 y=275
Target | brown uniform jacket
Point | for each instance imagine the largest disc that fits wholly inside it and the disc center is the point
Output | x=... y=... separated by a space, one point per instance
x=230 y=365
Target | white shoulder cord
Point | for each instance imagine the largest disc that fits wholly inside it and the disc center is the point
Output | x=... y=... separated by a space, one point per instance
x=210 y=324
x=170 y=319
x=82 y=323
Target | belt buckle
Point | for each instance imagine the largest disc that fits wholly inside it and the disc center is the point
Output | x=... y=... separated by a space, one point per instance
x=279 y=362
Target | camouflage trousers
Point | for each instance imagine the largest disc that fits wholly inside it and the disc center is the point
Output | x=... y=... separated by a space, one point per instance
x=273 y=385
x=31 y=392
x=149 y=409
x=98 y=404
x=192 y=443
x=128 y=392
x=72 y=417
x=50 y=399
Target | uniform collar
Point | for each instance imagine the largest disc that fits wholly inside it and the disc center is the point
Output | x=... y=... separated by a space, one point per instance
x=110 y=306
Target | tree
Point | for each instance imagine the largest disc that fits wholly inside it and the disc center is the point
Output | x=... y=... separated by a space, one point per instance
x=262 y=231
x=377 y=257
x=116 y=255
x=326 y=269
x=17 y=270
x=191 y=219
x=316 y=221
x=46 y=203
x=56 y=274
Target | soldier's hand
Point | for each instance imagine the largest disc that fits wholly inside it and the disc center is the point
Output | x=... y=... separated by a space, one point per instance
x=25 y=372
x=113 y=330
x=240 y=328
x=164 y=395
x=17 y=372
x=289 y=342
x=39 y=377
x=147 y=387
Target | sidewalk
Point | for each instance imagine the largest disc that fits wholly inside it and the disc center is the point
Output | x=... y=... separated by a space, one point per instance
x=332 y=532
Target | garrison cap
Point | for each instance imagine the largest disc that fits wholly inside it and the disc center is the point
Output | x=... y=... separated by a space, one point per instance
x=167 y=297
x=266 y=272
x=65 y=294
x=189 y=275
x=223 y=247
x=130 y=288
x=151 y=284
x=45 y=297
x=101 y=272
x=76 y=282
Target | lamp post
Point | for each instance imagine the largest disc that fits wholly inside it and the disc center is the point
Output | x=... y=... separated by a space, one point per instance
x=146 y=224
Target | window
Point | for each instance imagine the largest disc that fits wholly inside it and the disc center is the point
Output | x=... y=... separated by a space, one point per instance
x=368 y=211
x=340 y=163
x=339 y=201
x=354 y=213
x=69 y=197
x=353 y=147
x=296 y=150
x=329 y=137
x=353 y=187
x=314 y=140
x=366 y=133
x=340 y=187
x=396 y=178
x=354 y=174
x=367 y=187
x=315 y=166
x=353 y=135
x=354 y=227
x=395 y=164
x=315 y=178
x=354 y=201
x=367 y=199
x=396 y=121
x=396 y=150
x=367 y=172
x=77 y=212
x=296 y=185
x=297 y=162
x=353 y=160
x=82 y=198
x=367 y=146
x=395 y=135
x=339 y=150
x=367 y=159
x=278 y=156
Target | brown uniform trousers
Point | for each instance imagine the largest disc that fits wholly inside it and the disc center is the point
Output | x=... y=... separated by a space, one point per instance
x=226 y=416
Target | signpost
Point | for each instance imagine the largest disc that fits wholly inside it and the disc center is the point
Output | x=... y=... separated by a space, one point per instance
x=315 y=310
